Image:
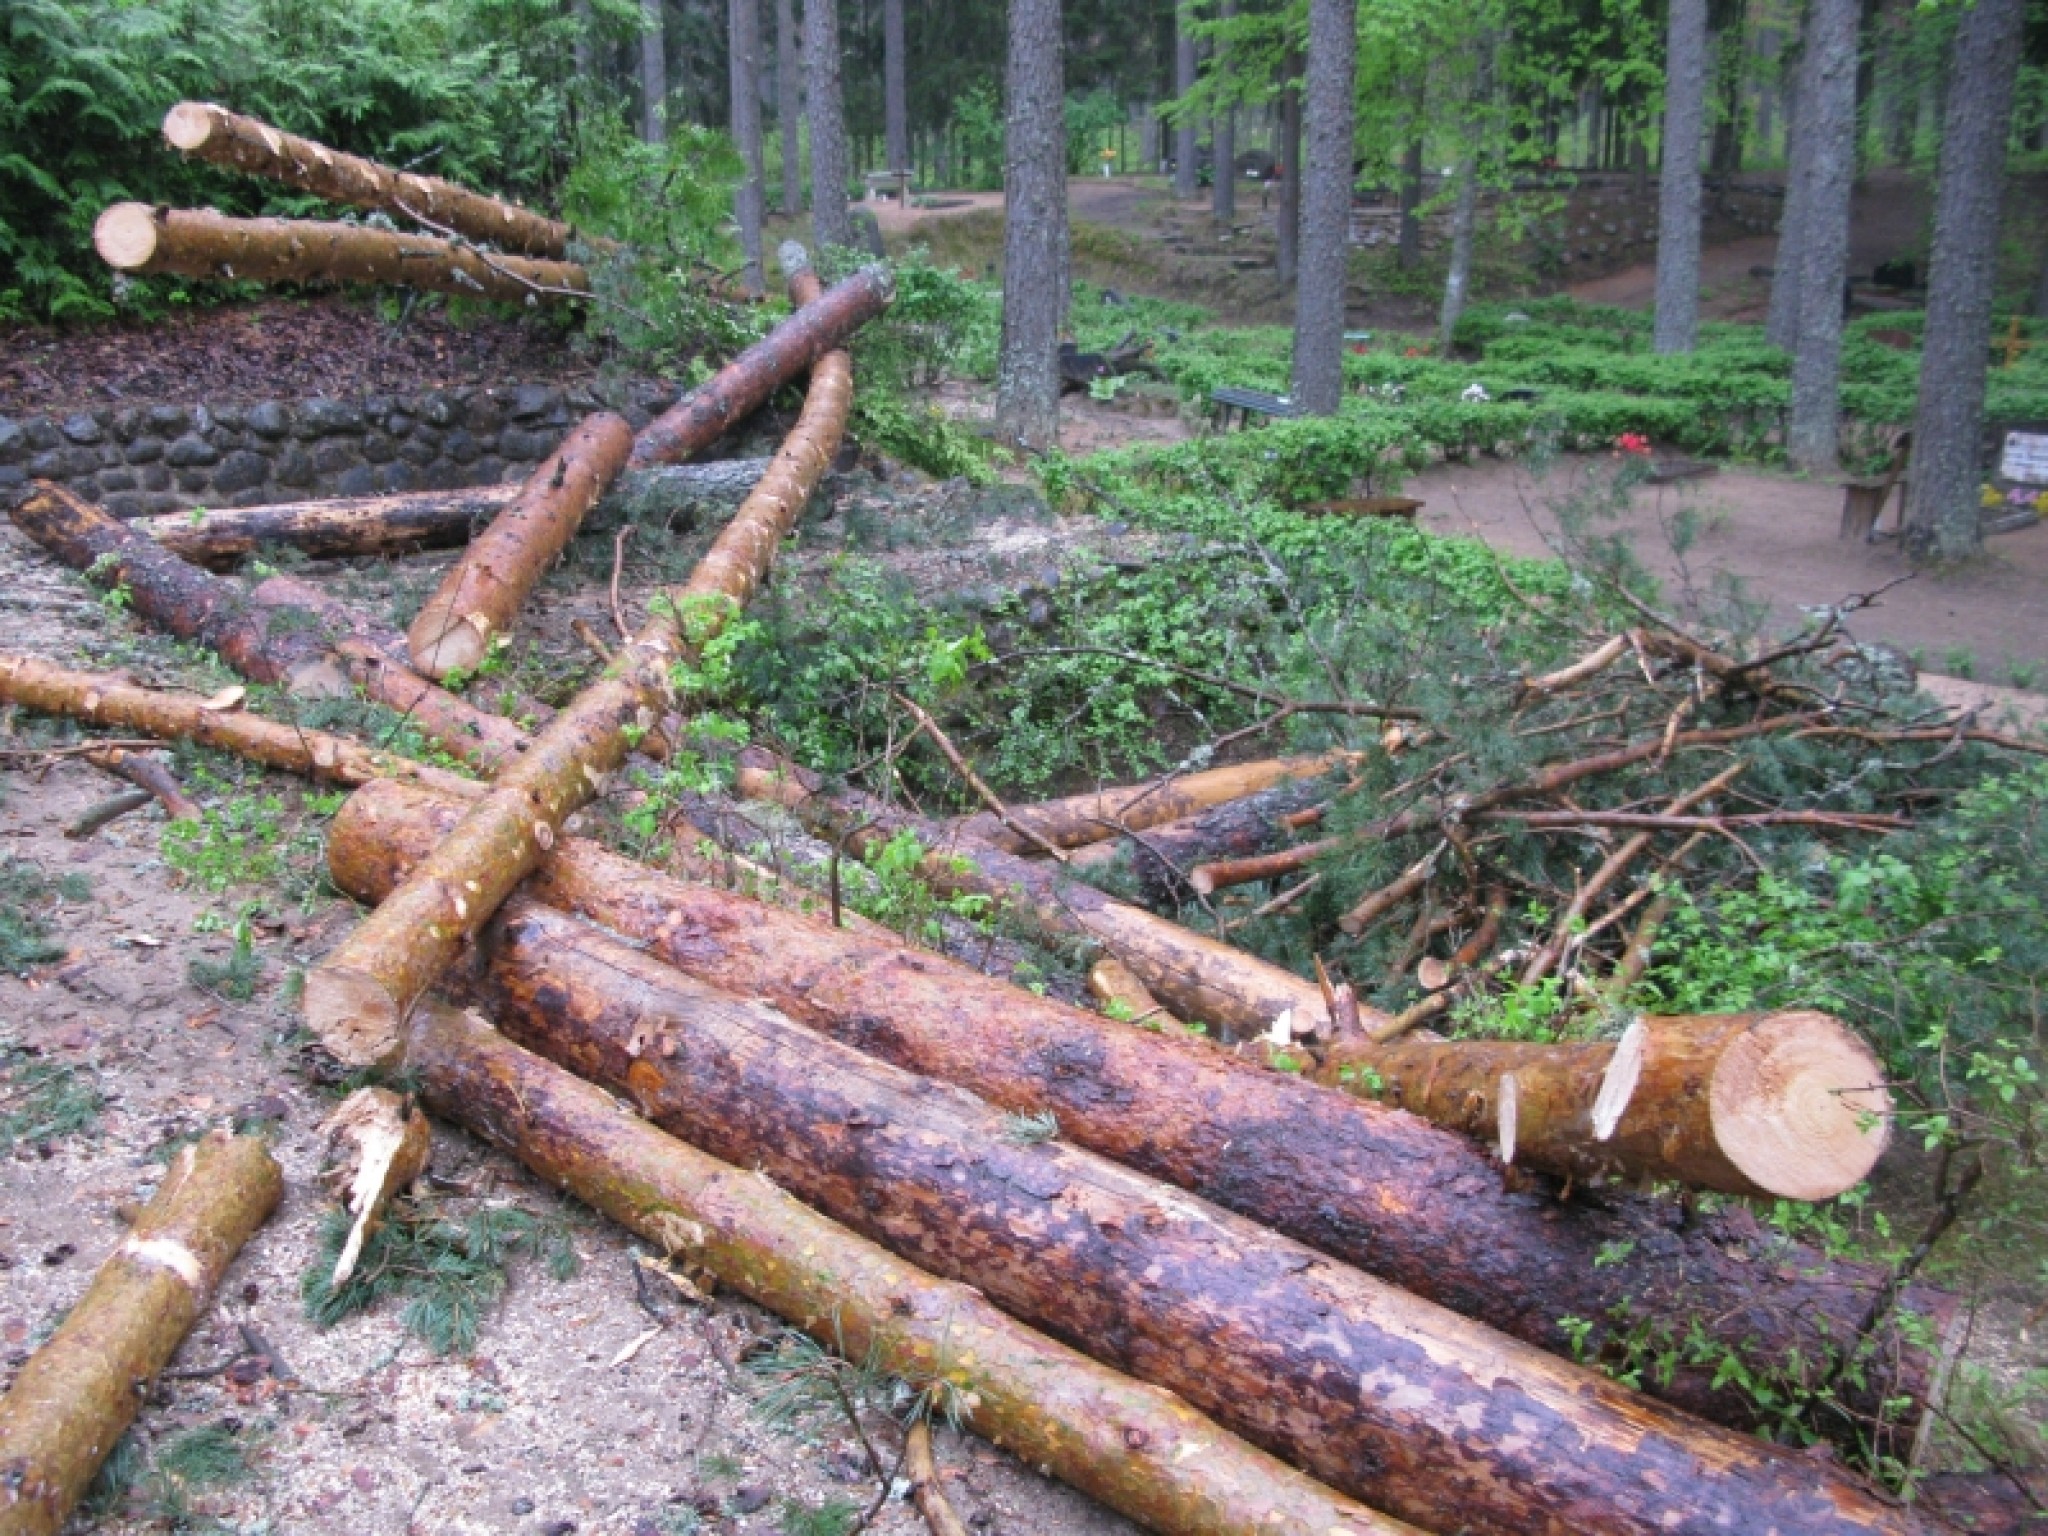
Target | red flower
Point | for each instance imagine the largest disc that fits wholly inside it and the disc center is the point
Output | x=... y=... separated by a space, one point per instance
x=1633 y=442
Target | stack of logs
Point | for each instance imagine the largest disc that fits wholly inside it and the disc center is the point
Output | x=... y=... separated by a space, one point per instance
x=1218 y=1297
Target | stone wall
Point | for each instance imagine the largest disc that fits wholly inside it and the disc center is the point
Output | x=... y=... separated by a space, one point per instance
x=146 y=459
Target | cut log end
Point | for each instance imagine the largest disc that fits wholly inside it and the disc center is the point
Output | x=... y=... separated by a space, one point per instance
x=189 y=124
x=441 y=644
x=126 y=236
x=1618 y=1082
x=353 y=1016
x=1799 y=1106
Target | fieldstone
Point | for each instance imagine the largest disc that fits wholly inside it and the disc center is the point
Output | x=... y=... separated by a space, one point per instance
x=398 y=423
x=13 y=444
x=268 y=419
x=327 y=418
x=360 y=481
x=230 y=417
x=239 y=471
x=167 y=420
x=255 y=495
x=191 y=449
x=332 y=457
x=39 y=434
x=583 y=399
x=112 y=480
x=396 y=477
x=63 y=463
x=127 y=423
x=418 y=450
x=159 y=503
x=12 y=475
x=516 y=444
x=488 y=471
x=155 y=477
x=530 y=402
x=379 y=449
x=637 y=416
x=125 y=504
x=484 y=413
x=110 y=454
x=193 y=482
x=461 y=447
x=377 y=407
x=145 y=450
x=293 y=467
x=437 y=408
x=81 y=428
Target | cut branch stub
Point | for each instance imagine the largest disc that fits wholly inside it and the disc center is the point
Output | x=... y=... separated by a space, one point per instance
x=377 y=1145
x=479 y=596
x=81 y=1390
x=135 y=237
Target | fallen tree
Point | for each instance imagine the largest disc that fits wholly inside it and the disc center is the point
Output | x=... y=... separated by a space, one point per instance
x=136 y=237
x=356 y=999
x=1386 y=1397
x=1135 y=1448
x=1161 y=858
x=228 y=139
x=78 y=1394
x=283 y=632
x=1417 y=1206
x=482 y=591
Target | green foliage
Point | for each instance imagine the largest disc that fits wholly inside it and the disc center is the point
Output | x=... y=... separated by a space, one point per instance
x=234 y=978
x=43 y=1101
x=26 y=894
x=835 y=1517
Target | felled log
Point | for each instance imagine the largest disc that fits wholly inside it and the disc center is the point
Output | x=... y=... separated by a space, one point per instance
x=1162 y=857
x=283 y=632
x=195 y=242
x=228 y=139
x=1391 y=1399
x=357 y=998
x=1786 y=1105
x=1418 y=1206
x=149 y=775
x=1111 y=983
x=1103 y=814
x=81 y=1391
x=107 y=700
x=482 y=591
x=384 y=525
x=1137 y=1449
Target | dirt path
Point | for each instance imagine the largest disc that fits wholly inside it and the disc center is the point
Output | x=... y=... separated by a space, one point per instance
x=1728 y=291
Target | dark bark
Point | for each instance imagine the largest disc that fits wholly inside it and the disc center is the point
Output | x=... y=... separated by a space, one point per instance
x=789 y=71
x=653 y=72
x=1781 y=325
x=824 y=100
x=895 y=99
x=1465 y=216
x=1224 y=134
x=1408 y=251
x=1184 y=131
x=743 y=27
x=1827 y=122
x=1942 y=514
x=1326 y=206
x=1678 y=196
x=1287 y=232
x=1160 y=858
x=1035 y=230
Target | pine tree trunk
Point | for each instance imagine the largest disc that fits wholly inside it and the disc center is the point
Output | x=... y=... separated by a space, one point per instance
x=1287 y=231
x=743 y=27
x=1136 y=1449
x=895 y=98
x=1184 y=130
x=1383 y=1396
x=1827 y=121
x=831 y=223
x=1678 y=196
x=1781 y=325
x=135 y=237
x=1942 y=515
x=1326 y=207
x=581 y=43
x=1464 y=225
x=1159 y=860
x=1224 y=134
x=1408 y=250
x=1034 y=229
x=653 y=73
x=789 y=104
x=78 y=1393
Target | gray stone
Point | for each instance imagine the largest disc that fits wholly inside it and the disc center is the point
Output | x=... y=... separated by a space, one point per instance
x=189 y=450
x=202 y=421
x=110 y=454
x=127 y=423
x=326 y=418
x=268 y=419
x=379 y=449
x=293 y=467
x=515 y=443
x=230 y=417
x=193 y=482
x=160 y=502
x=111 y=480
x=422 y=433
x=167 y=420
x=81 y=428
x=239 y=471
x=530 y=402
x=256 y=495
x=484 y=413
x=126 y=504
x=145 y=450
x=11 y=476
x=63 y=463
x=397 y=477
x=637 y=416
x=417 y=450
x=584 y=399
x=360 y=481
x=437 y=408
x=39 y=434
x=334 y=456
x=155 y=477
x=461 y=447
x=377 y=407
x=13 y=444
x=487 y=471
x=398 y=423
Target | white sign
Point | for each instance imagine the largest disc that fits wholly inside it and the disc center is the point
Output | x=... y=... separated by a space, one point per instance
x=2025 y=458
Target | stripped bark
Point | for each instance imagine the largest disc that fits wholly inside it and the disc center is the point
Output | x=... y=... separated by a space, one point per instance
x=284 y=632
x=1139 y=1450
x=79 y=1393
x=197 y=242
x=1418 y=1206
x=1363 y=1386
x=228 y=139
x=357 y=998
x=485 y=589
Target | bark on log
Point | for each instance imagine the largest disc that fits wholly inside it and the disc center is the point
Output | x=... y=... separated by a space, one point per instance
x=1393 y=1400
x=81 y=1391
x=150 y=775
x=220 y=137
x=284 y=632
x=357 y=998
x=106 y=700
x=383 y=525
x=482 y=592
x=195 y=242
x=1162 y=859
x=1416 y=1205
x=1079 y=820
x=1140 y=1451
x=1786 y=1105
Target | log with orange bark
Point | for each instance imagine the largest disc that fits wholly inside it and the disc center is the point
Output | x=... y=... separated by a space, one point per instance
x=1418 y=1206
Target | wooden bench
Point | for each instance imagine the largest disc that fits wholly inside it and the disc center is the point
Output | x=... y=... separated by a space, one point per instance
x=1248 y=403
x=1864 y=498
x=883 y=180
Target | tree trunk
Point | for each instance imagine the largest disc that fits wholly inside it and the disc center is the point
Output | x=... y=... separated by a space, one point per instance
x=1185 y=135
x=1827 y=122
x=1035 y=229
x=1678 y=193
x=1138 y=1450
x=581 y=43
x=484 y=590
x=653 y=73
x=1408 y=250
x=1381 y=1395
x=1464 y=226
x=831 y=224
x=1287 y=233
x=1326 y=208
x=106 y=700
x=78 y=1394
x=1942 y=516
x=224 y=138
x=134 y=237
x=343 y=527
x=283 y=632
x=1781 y=325
x=895 y=98
x=357 y=998
x=789 y=104
x=1784 y=1106
x=1224 y=134
x=743 y=28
